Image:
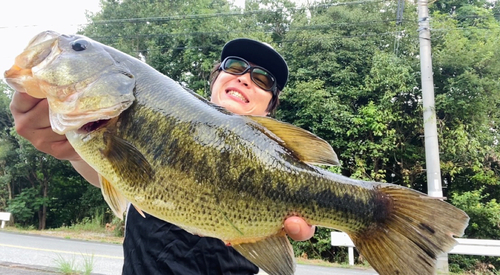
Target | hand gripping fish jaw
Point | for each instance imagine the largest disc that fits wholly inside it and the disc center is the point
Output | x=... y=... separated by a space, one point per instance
x=75 y=99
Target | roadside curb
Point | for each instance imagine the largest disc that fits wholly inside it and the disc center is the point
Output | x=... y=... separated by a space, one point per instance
x=40 y=268
x=29 y=267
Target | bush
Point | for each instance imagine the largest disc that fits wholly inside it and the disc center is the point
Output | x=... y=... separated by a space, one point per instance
x=484 y=223
x=22 y=207
x=480 y=265
x=117 y=226
x=484 y=214
x=319 y=247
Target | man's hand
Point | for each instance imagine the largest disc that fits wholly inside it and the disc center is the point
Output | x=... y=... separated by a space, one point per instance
x=31 y=117
x=298 y=229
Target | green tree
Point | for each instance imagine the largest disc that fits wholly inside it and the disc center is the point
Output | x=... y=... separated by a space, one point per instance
x=484 y=211
x=467 y=100
x=456 y=6
x=7 y=144
x=38 y=189
x=357 y=86
x=369 y=87
x=34 y=174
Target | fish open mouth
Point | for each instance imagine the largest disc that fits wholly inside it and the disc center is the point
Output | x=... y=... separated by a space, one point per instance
x=94 y=125
x=85 y=122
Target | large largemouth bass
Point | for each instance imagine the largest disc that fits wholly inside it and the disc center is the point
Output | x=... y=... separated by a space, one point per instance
x=237 y=178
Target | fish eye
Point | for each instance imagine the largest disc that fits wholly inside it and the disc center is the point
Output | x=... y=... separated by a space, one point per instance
x=80 y=45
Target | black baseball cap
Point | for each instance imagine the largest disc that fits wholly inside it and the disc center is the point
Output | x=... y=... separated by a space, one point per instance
x=259 y=53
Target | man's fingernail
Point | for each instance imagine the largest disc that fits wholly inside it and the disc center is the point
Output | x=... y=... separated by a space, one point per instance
x=293 y=228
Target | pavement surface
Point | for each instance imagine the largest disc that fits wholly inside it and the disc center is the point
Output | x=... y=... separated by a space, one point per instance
x=13 y=268
x=8 y=268
x=22 y=254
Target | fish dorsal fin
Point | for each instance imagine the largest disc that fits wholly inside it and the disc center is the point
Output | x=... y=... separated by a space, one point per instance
x=126 y=159
x=113 y=197
x=305 y=145
x=274 y=255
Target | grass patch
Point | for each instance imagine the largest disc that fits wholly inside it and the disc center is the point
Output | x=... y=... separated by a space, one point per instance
x=88 y=264
x=316 y=262
x=94 y=224
x=69 y=267
x=64 y=266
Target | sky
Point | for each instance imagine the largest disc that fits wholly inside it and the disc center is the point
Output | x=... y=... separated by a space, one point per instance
x=21 y=20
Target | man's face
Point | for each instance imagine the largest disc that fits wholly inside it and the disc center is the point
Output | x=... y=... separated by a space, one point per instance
x=240 y=95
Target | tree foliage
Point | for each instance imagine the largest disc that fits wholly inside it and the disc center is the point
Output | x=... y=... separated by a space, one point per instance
x=38 y=189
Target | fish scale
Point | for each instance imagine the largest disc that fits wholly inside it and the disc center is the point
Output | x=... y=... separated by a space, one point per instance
x=176 y=156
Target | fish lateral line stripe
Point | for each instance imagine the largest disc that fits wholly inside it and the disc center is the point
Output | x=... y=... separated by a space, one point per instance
x=229 y=221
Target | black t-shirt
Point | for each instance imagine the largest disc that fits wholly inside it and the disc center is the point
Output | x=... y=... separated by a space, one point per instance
x=153 y=246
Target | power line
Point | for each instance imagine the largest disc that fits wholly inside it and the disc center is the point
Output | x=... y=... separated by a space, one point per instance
x=269 y=29
x=224 y=14
x=301 y=27
x=194 y=34
x=150 y=20
x=229 y=14
x=407 y=35
x=263 y=29
x=287 y=41
x=460 y=29
x=207 y=16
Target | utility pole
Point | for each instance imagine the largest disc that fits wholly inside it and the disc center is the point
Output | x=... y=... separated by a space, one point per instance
x=432 y=164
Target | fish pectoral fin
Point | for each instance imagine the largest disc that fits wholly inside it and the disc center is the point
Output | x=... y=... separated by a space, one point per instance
x=274 y=254
x=113 y=197
x=305 y=145
x=127 y=159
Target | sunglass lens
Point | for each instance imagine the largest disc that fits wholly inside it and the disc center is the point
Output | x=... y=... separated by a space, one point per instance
x=263 y=79
x=235 y=66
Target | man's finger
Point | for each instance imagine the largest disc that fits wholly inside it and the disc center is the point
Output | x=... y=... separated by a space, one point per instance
x=64 y=151
x=22 y=102
x=298 y=229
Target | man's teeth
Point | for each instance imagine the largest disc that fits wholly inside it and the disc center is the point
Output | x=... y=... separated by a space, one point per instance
x=238 y=95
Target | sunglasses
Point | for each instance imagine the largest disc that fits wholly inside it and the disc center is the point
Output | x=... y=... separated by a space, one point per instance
x=261 y=77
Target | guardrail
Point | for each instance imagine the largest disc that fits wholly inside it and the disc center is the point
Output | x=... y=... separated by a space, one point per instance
x=4 y=217
x=476 y=247
x=464 y=246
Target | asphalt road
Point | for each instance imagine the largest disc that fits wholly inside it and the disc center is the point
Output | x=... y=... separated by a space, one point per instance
x=22 y=254
x=34 y=250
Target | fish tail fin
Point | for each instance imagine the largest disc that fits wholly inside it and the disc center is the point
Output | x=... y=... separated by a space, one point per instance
x=412 y=233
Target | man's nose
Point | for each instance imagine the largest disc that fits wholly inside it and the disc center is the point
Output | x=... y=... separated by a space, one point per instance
x=245 y=79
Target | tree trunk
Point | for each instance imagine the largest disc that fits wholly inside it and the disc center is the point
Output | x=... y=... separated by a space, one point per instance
x=9 y=189
x=42 y=213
